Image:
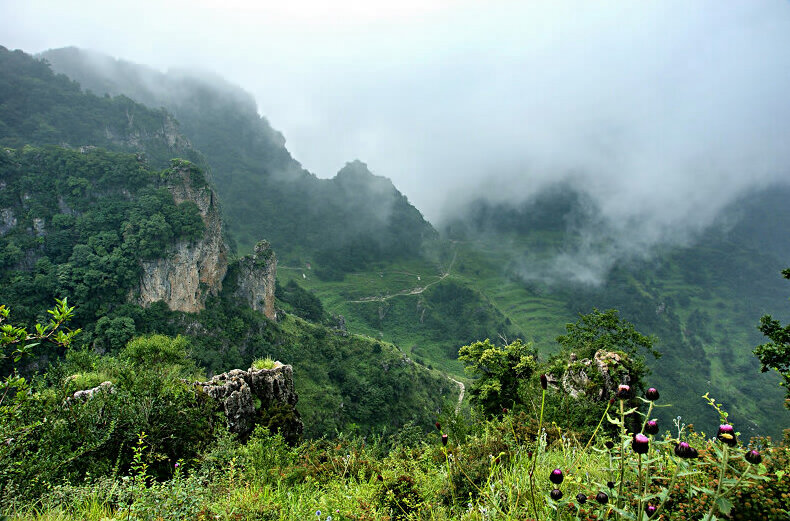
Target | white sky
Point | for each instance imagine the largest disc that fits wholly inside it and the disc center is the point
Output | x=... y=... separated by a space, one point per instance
x=665 y=110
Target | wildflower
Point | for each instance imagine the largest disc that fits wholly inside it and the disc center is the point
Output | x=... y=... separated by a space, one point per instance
x=693 y=454
x=684 y=450
x=177 y=465
x=650 y=510
x=753 y=457
x=504 y=410
x=544 y=381
x=640 y=444
x=727 y=435
x=651 y=427
x=623 y=391
x=556 y=494
x=438 y=426
x=318 y=513
x=581 y=498
x=556 y=476
x=652 y=394
x=602 y=497
x=444 y=440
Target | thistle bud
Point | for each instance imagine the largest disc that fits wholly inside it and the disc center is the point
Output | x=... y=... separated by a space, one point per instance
x=753 y=457
x=438 y=426
x=610 y=484
x=652 y=394
x=556 y=494
x=651 y=427
x=683 y=450
x=601 y=497
x=444 y=440
x=609 y=444
x=544 y=381
x=623 y=391
x=556 y=476
x=640 y=443
x=727 y=435
x=581 y=498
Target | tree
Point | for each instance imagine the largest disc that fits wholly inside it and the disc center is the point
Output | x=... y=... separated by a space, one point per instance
x=776 y=353
x=17 y=343
x=500 y=372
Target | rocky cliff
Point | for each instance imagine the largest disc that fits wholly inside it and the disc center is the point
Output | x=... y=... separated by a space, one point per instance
x=257 y=396
x=256 y=279
x=191 y=271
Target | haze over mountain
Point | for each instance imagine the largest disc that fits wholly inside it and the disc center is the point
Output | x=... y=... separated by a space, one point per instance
x=661 y=113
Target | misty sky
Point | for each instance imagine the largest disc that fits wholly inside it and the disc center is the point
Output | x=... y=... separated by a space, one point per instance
x=663 y=110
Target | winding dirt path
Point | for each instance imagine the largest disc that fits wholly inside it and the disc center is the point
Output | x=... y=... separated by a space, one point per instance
x=412 y=291
x=462 y=389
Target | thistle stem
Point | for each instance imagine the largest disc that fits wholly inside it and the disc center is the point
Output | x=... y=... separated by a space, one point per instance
x=535 y=457
x=721 y=480
x=639 y=486
x=622 y=453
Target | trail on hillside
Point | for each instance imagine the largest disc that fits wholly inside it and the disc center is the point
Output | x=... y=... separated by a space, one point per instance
x=462 y=389
x=413 y=291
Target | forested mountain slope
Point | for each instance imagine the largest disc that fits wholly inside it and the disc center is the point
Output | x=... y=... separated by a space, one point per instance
x=344 y=223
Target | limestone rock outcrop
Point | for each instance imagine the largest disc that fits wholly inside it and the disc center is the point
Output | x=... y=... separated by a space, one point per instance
x=191 y=271
x=594 y=378
x=257 y=396
x=256 y=279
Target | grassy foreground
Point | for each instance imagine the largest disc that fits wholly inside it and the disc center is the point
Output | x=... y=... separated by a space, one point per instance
x=503 y=468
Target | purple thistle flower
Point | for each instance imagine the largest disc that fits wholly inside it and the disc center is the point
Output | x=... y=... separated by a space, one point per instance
x=652 y=394
x=581 y=498
x=544 y=381
x=651 y=427
x=444 y=440
x=650 y=510
x=683 y=450
x=753 y=457
x=726 y=435
x=602 y=497
x=640 y=443
x=623 y=391
x=556 y=476
x=556 y=494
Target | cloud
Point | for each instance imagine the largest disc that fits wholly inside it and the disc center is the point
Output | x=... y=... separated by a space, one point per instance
x=662 y=112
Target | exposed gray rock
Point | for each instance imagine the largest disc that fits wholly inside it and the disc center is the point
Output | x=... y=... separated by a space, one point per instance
x=190 y=271
x=247 y=396
x=7 y=220
x=87 y=394
x=256 y=281
x=592 y=377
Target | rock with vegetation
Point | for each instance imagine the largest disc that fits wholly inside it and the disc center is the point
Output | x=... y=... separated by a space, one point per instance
x=256 y=282
x=190 y=270
x=596 y=377
x=255 y=396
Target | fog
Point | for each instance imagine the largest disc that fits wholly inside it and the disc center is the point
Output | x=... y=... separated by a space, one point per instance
x=663 y=112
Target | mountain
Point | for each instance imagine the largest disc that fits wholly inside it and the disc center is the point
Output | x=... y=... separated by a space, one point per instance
x=140 y=250
x=342 y=223
x=503 y=271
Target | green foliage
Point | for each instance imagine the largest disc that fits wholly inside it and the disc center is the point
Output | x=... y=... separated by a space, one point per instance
x=84 y=240
x=300 y=302
x=776 y=353
x=155 y=351
x=41 y=108
x=500 y=373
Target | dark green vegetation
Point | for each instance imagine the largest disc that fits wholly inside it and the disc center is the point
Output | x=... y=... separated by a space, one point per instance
x=776 y=353
x=40 y=108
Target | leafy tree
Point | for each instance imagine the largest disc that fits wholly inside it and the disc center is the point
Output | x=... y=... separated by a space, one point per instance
x=605 y=330
x=500 y=372
x=776 y=353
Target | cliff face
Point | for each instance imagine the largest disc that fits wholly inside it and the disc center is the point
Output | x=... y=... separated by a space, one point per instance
x=191 y=271
x=256 y=280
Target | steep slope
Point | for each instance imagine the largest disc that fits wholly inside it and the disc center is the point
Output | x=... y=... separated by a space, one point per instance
x=341 y=223
x=38 y=107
